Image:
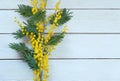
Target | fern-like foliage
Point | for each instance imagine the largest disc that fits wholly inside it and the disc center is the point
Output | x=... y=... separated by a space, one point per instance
x=56 y=39
x=28 y=57
x=66 y=16
x=26 y=53
x=25 y=10
x=39 y=16
x=30 y=27
x=21 y=47
x=18 y=34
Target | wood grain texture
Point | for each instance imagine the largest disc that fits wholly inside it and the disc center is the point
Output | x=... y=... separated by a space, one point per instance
x=73 y=46
x=60 y=70
x=88 y=21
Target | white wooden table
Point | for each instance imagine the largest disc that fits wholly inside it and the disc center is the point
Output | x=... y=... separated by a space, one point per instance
x=89 y=52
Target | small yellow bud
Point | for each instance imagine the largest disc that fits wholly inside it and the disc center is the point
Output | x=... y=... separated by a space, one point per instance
x=34 y=10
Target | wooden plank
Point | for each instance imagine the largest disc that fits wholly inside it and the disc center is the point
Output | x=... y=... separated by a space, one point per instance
x=64 y=70
x=65 y=3
x=73 y=46
x=93 y=21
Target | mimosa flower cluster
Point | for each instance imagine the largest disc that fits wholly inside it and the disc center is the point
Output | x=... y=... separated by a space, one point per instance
x=42 y=37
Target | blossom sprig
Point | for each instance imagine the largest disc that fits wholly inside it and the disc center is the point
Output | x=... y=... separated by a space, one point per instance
x=42 y=44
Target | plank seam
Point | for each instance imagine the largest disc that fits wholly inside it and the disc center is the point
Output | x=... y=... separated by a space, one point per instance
x=70 y=59
x=70 y=33
x=77 y=9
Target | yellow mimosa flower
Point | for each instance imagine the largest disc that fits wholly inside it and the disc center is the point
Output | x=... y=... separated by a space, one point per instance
x=57 y=5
